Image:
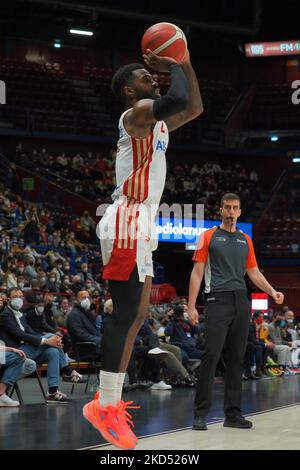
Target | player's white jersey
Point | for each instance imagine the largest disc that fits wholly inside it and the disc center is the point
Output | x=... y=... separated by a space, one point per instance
x=141 y=164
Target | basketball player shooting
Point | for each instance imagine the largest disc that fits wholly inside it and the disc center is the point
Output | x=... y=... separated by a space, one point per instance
x=127 y=254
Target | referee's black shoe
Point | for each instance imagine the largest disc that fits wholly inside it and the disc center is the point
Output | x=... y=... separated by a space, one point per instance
x=237 y=422
x=199 y=424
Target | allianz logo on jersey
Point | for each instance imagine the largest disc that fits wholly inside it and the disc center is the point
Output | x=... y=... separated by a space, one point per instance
x=161 y=145
x=220 y=239
x=241 y=241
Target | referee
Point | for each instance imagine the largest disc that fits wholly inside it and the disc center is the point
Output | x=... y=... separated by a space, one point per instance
x=223 y=256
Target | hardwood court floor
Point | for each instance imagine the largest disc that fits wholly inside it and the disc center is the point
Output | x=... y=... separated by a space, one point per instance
x=39 y=426
x=275 y=429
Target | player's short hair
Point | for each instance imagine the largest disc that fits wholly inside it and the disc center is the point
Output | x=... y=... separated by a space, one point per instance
x=123 y=77
x=230 y=197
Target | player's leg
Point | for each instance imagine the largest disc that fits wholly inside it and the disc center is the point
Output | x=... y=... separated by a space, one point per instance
x=130 y=303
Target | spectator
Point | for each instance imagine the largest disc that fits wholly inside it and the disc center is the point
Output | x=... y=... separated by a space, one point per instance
x=61 y=314
x=150 y=362
x=87 y=222
x=58 y=271
x=35 y=317
x=85 y=275
x=31 y=235
x=49 y=310
x=65 y=286
x=281 y=347
x=29 y=270
x=260 y=351
x=11 y=367
x=172 y=361
x=15 y=332
x=81 y=322
x=182 y=333
x=52 y=283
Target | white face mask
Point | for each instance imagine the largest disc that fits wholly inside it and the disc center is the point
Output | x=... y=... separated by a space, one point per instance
x=17 y=303
x=21 y=285
x=290 y=320
x=40 y=310
x=85 y=304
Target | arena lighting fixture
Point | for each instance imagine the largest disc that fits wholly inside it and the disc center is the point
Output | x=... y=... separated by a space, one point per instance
x=82 y=32
x=274 y=138
x=57 y=44
x=296 y=160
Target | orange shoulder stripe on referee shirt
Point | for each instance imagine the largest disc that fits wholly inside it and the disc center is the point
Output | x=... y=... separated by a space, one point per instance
x=201 y=253
x=251 y=258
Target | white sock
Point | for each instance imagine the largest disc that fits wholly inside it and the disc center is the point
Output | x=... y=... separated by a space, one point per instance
x=121 y=379
x=109 y=388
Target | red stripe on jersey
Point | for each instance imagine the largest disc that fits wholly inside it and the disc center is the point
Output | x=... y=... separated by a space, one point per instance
x=149 y=160
x=127 y=188
x=143 y=147
x=122 y=260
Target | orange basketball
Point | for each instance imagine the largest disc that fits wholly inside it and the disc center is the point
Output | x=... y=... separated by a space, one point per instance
x=165 y=39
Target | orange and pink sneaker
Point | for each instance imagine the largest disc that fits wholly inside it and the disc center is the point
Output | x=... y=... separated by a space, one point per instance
x=113 y=422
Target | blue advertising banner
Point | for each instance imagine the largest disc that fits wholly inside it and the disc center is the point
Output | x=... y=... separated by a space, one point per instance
x=189 y=230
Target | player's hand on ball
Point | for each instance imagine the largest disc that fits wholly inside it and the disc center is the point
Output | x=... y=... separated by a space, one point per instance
x=158 y=63
x=186 y=58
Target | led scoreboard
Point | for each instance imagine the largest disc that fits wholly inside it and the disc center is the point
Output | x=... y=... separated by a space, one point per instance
x=264 y=49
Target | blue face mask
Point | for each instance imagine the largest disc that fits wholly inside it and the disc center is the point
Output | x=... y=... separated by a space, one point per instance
x=282 y=324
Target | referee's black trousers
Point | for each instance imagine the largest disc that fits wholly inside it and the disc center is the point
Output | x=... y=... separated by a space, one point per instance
x=227 y=318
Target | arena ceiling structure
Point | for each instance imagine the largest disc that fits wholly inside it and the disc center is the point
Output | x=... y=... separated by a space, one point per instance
x=216 y=27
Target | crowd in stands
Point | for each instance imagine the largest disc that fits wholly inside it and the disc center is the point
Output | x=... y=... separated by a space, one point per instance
x=52 y=297
x=281 y=239
x=93 y=176
x=44 y=262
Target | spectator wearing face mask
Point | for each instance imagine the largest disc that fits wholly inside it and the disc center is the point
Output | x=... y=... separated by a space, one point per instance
x=41 y=280
x=65 y=287
x=282 y=348
x=85 y=275
x=72 y=243
x=81 y=322
x=290 y=334
x=76 y=283
x=29 y=270
x=58 y=271
x=290 y=318
x=61 y=314
x=22 y=283
x=36 y=319
x=52 y=284
x=16 y=333
x=60 y=318
x=66 y=268
x=20 y=268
